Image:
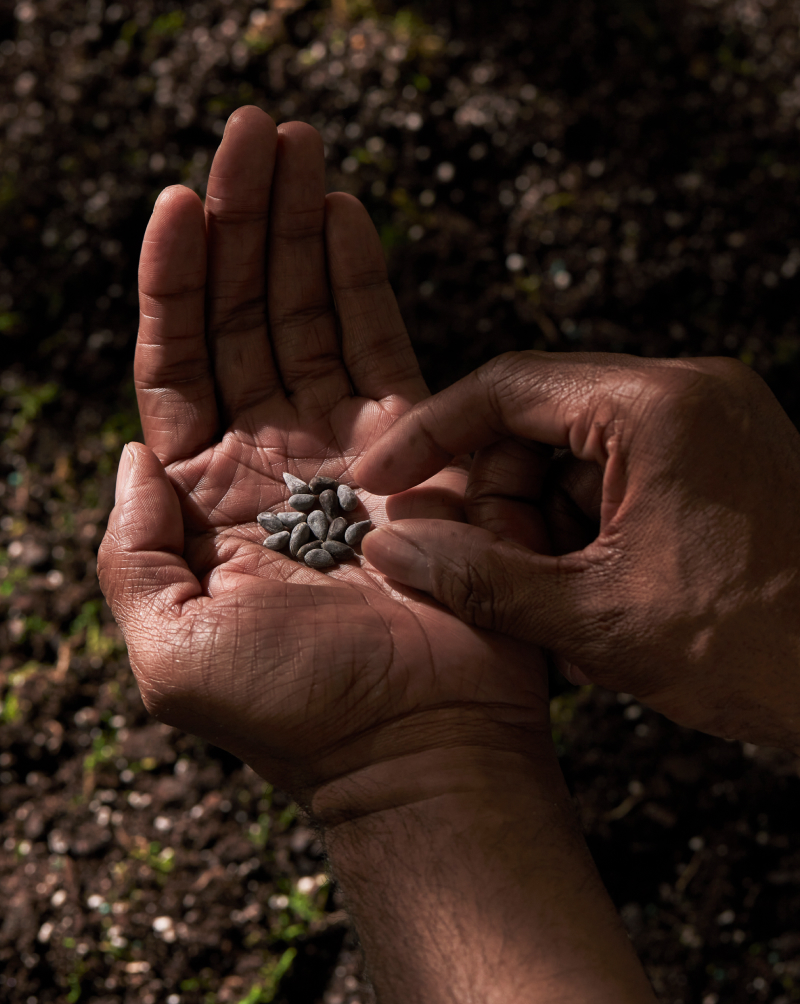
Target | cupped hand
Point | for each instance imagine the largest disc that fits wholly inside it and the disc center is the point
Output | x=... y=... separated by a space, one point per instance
x=685 y=591
x=270 y=342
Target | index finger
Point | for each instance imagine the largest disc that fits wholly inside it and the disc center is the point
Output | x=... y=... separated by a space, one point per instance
x=172 y=371
x=560 y=399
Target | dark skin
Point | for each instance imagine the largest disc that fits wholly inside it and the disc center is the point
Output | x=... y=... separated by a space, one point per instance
x=270 y=341
x=685 y=591
x=269 y=388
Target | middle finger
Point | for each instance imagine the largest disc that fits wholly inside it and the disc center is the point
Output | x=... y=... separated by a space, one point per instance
x=237 y=211
x=302 y=318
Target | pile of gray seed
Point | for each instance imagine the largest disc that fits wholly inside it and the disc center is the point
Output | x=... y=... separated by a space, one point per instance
x=319 y=537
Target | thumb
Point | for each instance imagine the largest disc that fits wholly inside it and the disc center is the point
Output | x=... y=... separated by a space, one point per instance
x=140 y=561
x=486 y=581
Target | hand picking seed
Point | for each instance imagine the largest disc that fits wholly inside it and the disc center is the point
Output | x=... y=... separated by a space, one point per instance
x=295 y=485
x=337 y=528
x=312 y=545
x=356 y=532
x=291 y=519
x=300 y=536
x=277 y=541
x=319 y=559
x=340 y=551
x=348 y=499
x=329 y=503
x=318 y=522
x=269 y=521
x=320 y=483
x=303 y=503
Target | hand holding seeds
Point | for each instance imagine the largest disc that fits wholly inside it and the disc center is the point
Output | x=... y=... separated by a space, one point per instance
x=396 y=725
x=232 y=557
x=676 y=520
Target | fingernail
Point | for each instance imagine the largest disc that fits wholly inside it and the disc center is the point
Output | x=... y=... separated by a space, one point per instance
x=575 y=676
x=396 y=556
x=123 y=472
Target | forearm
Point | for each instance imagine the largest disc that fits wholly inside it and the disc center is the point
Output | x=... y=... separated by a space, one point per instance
x=484 y=891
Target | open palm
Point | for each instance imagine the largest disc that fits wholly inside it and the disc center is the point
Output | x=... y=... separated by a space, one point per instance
x=270 y=341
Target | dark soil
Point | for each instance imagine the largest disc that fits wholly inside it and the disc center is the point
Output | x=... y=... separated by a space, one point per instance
x=616 y=175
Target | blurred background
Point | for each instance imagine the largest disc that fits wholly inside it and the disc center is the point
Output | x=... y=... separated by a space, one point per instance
x=615 y=175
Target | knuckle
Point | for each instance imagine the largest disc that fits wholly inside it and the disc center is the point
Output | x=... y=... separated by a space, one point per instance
x=472 y=588
x=230 y=315
x=237 y=212
x=501 y=372
x=299 y=226
x=306 y=316
x=369 y=279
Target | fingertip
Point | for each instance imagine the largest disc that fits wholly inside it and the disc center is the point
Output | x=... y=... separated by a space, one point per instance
x=343 y=203
x=173 y=202
x=391 y=551
x=147 y=514
x=139 y=463
x=177 y=206
x=250 y=114
x=243 y=126
x=299 y=132
x=401 y=459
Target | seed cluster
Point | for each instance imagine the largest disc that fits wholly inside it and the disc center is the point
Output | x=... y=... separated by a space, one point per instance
x=318 y=537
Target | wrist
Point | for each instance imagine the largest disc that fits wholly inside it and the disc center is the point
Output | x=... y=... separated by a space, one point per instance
x=478 y=885
x=455 y=752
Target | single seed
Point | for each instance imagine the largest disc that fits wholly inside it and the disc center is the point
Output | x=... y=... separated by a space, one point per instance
x=269 y=521
x=291 y=519
x=340 y=551
x=303 y=503
x=295 y=485
x=330 y=506
x=348 y=499
x=319 y=559
x=337 y=528
x=318 y=522
x=312 y=545
x=300 y=536
x=356 y=532
x=277 y=541
x=320 y=483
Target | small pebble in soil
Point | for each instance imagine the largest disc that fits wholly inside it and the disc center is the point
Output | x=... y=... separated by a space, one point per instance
x=340 y=551
x=269 y=521
x=295 y=485
x=319 y=559
x=303 y=503
x=337 y=529
x=291 y=519
x=356 y=532
x=329 y=503
x=348 y=499
x=312 y=545
x=320 y=483
x=318 y=522
x=300 y=536
x=277 y=541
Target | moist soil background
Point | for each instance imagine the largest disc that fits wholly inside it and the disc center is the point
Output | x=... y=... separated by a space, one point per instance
x=615 y=175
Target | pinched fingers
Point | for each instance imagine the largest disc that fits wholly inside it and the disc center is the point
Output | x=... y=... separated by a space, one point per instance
x=575 y=401
x=491 y=583
x=505 y=488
